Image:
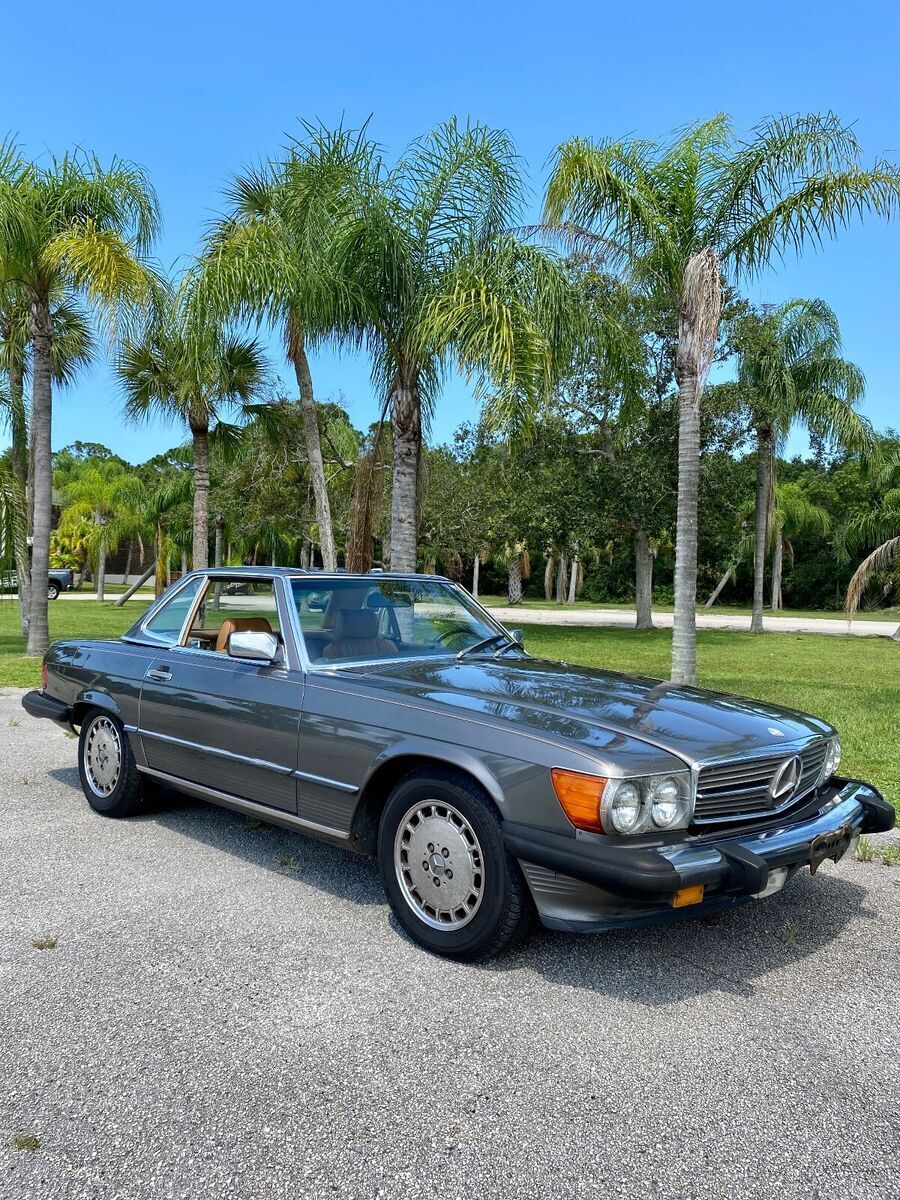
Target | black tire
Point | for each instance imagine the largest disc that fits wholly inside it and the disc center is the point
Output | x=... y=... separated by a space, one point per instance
x=52 y=591
x=101 y=729
x=501 y=909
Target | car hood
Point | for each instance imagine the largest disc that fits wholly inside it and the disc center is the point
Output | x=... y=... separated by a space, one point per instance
x=575 y=703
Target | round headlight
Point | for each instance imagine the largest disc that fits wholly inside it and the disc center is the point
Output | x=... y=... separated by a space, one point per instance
x=625 y=809
x=665 y=803
x=832 y=757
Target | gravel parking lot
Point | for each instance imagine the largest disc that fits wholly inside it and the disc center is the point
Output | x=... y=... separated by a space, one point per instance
x=228 y=1011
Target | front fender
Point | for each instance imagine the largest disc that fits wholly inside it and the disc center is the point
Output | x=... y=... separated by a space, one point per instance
x=442 y=755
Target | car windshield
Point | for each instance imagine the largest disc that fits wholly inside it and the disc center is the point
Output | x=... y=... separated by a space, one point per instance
x=365 y=620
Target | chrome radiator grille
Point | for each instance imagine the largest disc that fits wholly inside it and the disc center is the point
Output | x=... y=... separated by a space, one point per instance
x=740 y=788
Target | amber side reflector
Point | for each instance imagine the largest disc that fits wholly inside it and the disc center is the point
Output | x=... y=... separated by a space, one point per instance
x=580 y=797
x=688 y=895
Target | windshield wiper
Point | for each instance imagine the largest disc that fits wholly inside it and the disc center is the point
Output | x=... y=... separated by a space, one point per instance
x=511 y=644
x=481 y=645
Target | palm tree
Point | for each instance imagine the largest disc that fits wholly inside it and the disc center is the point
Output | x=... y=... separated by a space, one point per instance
x=271 y=258
x=793 y=515
x=434 y=279
x=110 y=499
x=678 y=217
x=71 y=226
x=72 y=348
x=188 y=368
x=791 y=371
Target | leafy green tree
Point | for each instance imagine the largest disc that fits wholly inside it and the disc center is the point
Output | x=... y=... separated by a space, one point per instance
x=879 y=525
x=794 y=514
x=72 y=226
x=791 y=372
x=677 y=217
x=187 y=368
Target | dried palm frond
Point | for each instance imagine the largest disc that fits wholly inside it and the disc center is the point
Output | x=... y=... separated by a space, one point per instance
x=878 y=560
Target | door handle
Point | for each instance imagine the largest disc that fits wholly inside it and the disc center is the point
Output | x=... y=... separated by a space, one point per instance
x=159 y=673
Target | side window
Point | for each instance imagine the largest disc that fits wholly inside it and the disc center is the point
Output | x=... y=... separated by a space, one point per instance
x=165 y=626
x=230 y=606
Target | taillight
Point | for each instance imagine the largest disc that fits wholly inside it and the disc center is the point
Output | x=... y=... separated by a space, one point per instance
x=43 y=677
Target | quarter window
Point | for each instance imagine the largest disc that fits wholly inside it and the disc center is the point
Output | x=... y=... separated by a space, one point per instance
x=165 y=626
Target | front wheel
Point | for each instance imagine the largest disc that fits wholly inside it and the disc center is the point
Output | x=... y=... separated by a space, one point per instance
x=109 y=777
x=449 y=879
x=52 y=591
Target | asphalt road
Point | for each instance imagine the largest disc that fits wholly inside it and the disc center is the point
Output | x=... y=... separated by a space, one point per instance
x=229 y=1012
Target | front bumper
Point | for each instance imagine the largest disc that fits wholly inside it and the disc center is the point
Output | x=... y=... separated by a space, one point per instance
x=591 y=882
x=39 y=704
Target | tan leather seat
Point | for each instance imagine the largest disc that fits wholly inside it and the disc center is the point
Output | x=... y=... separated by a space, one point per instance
x=240 y=625
x=356 y=636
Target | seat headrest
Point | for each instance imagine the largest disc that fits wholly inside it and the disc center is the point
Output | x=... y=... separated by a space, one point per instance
x=355 y=624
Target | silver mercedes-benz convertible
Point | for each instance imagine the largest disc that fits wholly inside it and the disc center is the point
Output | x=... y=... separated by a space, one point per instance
x=393 y=715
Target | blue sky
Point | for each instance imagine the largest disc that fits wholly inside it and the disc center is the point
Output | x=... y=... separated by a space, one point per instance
x=194 y=91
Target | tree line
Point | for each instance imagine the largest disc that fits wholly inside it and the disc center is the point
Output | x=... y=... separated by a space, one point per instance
x=606 y=317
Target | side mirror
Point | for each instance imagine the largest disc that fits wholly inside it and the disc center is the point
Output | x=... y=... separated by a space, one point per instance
x=519 y=635
x=253 y=646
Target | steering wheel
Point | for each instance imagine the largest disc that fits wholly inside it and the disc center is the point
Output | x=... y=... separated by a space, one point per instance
x=448 y=634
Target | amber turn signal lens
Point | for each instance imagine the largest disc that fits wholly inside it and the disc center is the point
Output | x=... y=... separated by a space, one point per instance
x=580 y=796
x=688 y=895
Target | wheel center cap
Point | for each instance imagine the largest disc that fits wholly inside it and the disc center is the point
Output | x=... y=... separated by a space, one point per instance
x=437 y=864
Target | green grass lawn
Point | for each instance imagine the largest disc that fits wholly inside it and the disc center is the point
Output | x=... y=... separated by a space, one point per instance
x=852 y=682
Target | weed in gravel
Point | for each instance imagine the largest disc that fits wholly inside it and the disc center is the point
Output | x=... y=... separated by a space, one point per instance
x=254 y=826
x=790 y=933
x=288 y=864
x=27 y=1142
x=15 y=722
x=25 y=781
x=45 y=943
x=869 y=851
x=70 y=735
x=865 y=851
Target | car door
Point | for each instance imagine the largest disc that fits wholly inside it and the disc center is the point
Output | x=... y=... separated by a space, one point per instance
x=220 y=722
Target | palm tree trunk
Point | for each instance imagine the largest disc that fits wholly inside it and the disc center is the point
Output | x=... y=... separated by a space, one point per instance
x=101 y=571
x=201 y=497
x=763 y=490
x=561 y=573
x=476 y=569
x=548 y=577
x=643 y=579
x=184 y=562
x=19 y=437
x=514 y=572
x=406 y=427
x=684 y=634
x=777 y=568
x=309 y=412
x=573 y=578
x=135 y=586
x=720 y=586
x=42 y=416
x=220 y=538
x=128 y=558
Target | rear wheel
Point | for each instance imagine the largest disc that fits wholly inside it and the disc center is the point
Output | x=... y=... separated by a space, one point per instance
x=109 y=777
x=52 y=591
x=449 y=879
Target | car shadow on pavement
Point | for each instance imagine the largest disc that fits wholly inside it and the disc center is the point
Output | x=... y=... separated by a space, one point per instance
x=731 y=952
x=656 y=965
